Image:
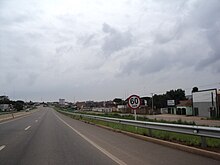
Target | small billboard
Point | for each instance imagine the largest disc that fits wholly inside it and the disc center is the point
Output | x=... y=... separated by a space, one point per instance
x=170 y=102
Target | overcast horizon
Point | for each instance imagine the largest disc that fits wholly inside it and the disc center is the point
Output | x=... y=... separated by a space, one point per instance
x=100 y=50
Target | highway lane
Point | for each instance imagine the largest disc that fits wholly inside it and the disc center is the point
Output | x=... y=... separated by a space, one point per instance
x=47 y=141
x=13 y=133
x=134 y=151
x=47 y=137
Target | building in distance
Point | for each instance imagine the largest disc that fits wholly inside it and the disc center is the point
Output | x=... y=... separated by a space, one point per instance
x=61 y=101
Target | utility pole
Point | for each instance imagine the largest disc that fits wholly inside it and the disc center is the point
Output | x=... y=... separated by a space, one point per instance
x=152 y=101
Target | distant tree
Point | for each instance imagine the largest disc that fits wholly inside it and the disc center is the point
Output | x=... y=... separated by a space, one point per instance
x=31 y=103
x=4 y=100
x=144 y=99
x=176 y=95
x=160 y=101
x=195 y=89
x=118 y=101
x=19 y=105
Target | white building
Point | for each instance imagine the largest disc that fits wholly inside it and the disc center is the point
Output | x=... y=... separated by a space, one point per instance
x=102 y=109
x=205 y=103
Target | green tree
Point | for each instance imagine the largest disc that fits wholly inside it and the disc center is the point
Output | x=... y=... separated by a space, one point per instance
x=160 y=101
x=118 y=101
x=195 y=89
x=4 y=100
x=148 y=99
x=19 y=105
x=176 y=95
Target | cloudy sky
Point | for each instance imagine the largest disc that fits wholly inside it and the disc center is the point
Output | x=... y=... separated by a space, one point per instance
x=99 y=50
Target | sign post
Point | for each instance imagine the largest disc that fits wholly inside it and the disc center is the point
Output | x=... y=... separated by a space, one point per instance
x=134 y=103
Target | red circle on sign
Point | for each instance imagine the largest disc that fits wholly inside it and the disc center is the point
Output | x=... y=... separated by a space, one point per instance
x=134 y=102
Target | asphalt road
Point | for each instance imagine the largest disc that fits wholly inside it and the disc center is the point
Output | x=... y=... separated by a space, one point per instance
x=47 y=137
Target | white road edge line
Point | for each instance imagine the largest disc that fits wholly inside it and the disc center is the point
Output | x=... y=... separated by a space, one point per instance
x=2 y=147
x=27 y=128
x=114 y=158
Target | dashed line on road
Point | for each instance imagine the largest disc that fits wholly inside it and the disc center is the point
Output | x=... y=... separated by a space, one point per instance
x=2 y=147
x=114 y=158
x=36 y=121
x=27 y=128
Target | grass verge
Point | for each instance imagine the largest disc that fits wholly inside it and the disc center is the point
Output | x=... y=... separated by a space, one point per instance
x=131 y=117
x=213 y=144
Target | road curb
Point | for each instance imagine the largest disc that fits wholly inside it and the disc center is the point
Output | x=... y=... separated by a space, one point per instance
x=181 y=147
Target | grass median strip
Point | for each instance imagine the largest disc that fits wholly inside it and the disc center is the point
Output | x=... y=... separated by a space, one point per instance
x=190 y=140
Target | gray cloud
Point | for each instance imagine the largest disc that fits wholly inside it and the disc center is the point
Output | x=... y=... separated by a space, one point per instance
x=59 y=49
x=147 y=64
x=207 y=17
x=108 y=29
x=87 y=40
x=192 y=40
x=115 y=40
x=207 y=13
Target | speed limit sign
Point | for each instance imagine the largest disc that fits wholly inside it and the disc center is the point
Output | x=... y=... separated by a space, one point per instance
x=134 y=101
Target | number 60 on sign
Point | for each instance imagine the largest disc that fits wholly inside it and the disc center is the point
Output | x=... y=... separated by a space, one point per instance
x=134 y=101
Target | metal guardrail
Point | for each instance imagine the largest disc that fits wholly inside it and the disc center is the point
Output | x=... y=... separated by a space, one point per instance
x=202 y=131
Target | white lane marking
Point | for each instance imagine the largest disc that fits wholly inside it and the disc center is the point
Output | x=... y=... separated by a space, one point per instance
x=27 y=128
x=36 y=120
x=114 y=158
x=2 y=147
